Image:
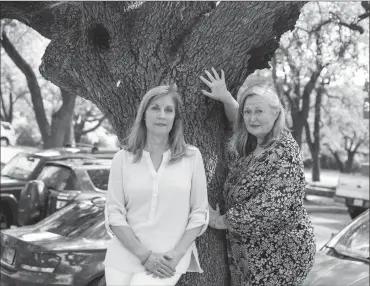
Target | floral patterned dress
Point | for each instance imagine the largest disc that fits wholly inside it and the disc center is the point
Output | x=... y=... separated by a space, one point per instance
x=270 y=237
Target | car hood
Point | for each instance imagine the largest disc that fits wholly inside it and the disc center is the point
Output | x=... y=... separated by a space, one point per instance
x=329 y=270
x=11 y=183
x=36 y=240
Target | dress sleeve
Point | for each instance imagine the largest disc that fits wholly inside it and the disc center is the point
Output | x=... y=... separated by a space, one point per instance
x=273 y=207
x=115 y=211
x=199 y=213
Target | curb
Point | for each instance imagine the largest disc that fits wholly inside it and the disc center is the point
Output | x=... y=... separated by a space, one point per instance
x=319 y=191
x=326 y=209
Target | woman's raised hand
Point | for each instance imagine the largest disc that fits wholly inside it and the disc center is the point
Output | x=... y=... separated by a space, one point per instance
x=217 y=85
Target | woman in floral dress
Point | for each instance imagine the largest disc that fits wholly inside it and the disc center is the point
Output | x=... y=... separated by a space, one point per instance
x=270 y=237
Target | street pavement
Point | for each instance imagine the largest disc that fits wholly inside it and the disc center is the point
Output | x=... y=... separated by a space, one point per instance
x=328 y=217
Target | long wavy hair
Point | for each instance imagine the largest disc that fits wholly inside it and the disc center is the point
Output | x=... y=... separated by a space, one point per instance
x=243 y=142
x=137 y=139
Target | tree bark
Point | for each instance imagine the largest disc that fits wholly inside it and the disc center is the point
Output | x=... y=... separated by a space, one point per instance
x=113 y=52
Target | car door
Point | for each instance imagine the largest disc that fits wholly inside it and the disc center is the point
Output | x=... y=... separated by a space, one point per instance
x=56 y=178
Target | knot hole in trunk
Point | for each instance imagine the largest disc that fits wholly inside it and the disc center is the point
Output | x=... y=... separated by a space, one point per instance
x=99 y=36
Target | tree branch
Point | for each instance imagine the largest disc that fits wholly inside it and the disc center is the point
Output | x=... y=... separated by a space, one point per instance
x=309 y=87
x=274 y=77
x=359 y=143
x=251 y=54
x=336 y=156
x=47 y=18
x=20 y=95
x=95 y=127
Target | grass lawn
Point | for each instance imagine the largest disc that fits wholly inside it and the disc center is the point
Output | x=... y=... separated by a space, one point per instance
x=328 y=178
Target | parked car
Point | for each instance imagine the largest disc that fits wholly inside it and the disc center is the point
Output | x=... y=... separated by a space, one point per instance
x=7 y=132
x=353 y=190
x=26 y=166
x=344 y=260
x=8 y=152
x=60 y=183
x=66 y=248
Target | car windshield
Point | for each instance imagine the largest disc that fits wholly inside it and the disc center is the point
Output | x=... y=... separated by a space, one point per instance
x=355 y=241
x=20 y=167
x=99 y=178
x=73 y=221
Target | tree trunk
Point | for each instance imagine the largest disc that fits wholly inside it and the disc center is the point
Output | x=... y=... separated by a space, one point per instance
x=316 y=166
x=7 y=113
x=112 y=52
x=79 y=124
x=316 y=136
x=297 y=128
x=69 y=139
x=33 y=86
x=349 y=162
x=61 y=121
x=338 y=160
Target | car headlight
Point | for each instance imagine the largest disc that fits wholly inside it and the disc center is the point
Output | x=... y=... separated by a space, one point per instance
x=43 y=262
x=79 y=258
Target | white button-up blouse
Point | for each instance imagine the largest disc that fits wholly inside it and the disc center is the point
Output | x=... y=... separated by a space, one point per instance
x=158 y=206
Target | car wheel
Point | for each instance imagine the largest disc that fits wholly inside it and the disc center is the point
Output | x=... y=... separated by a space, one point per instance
x=100 y=281
x=4 y=141
x=5 y=216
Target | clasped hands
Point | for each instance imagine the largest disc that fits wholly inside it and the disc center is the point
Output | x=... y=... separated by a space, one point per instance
x=162 y=265
x=216 y=220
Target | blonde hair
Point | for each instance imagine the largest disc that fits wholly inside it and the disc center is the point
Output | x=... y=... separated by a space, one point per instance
x=244 y=142
x=137 y=138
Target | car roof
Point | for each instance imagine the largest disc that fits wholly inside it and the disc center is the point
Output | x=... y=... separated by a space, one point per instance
x=73 y=152
x=82 y=163
x=8 y=152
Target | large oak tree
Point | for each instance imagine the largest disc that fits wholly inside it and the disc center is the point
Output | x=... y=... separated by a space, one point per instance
x=112 y=52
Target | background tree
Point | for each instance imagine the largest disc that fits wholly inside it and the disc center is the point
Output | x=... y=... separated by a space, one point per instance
x=87 y=118
x=326 y=40
x=112 y=52
x=48 y=103
x=7 y=98
x=55 y=134
x=345 y=133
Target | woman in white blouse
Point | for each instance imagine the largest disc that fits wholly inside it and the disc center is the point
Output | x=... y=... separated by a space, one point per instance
x=157 y=198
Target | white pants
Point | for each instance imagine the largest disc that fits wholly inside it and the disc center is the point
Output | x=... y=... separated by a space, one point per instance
x=114 y=277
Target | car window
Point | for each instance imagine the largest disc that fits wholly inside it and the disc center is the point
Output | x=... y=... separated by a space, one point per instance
x=20 y=167
x=75 y=220
x=99 y=178
x=58 y=177
x=356 y=240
